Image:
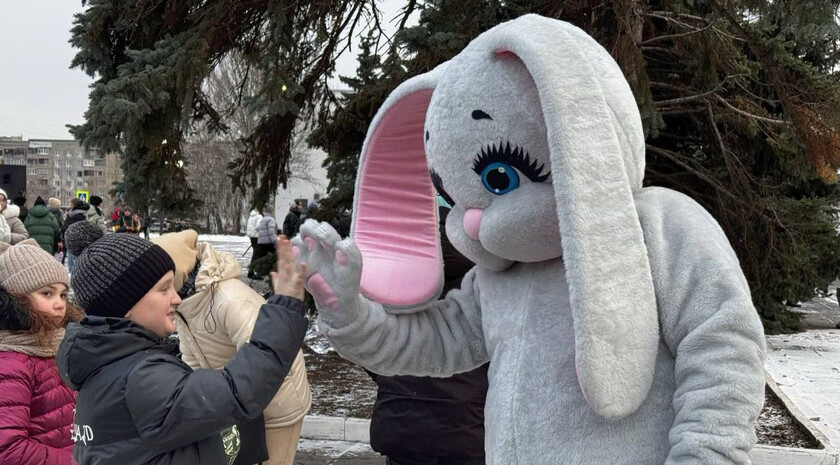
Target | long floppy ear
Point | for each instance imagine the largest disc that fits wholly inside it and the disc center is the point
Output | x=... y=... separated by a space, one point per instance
x=395 y=215
x=596 y=149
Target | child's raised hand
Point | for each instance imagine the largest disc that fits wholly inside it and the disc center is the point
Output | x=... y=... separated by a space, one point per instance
x=287 y=280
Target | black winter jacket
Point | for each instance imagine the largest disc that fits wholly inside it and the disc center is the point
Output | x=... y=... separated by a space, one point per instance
x=291 y=223
x=424 y=418
x=139 y=404
x=79 y=214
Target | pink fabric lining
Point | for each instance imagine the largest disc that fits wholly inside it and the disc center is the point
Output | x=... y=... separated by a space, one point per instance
x=395 y=218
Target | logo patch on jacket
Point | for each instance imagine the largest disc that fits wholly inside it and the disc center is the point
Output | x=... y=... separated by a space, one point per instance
x=231 y=442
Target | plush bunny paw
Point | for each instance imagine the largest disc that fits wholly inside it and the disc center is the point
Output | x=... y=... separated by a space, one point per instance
x=334 y=270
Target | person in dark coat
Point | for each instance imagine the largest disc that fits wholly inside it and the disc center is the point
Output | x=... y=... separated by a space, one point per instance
x=432 y=421
x=292 y=221
x=137 y=402
x=42 y=226
x=127 y=223
x=78 y=213
x=20 y=201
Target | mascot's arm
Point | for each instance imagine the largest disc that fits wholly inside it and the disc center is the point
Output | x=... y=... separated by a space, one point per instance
x=711 y=327
x=440 y=340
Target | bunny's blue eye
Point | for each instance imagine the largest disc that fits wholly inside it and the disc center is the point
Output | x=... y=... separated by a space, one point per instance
x=499 y=178
x=500 y=166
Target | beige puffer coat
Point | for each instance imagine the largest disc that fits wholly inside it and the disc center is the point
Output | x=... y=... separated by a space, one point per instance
x=221 y=316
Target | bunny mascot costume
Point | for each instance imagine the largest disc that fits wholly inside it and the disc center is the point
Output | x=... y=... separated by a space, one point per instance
x=617 y=321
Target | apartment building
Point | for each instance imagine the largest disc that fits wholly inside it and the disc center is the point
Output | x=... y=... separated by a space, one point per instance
x=58 y=168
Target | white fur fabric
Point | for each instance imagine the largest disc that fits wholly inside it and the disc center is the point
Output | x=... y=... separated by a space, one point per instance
x=709 y=380
x=621 y=333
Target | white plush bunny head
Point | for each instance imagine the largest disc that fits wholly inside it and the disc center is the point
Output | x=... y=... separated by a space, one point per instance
x=534 y=134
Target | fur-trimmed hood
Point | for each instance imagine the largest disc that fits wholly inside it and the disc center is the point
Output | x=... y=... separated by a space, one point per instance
x=11 y=211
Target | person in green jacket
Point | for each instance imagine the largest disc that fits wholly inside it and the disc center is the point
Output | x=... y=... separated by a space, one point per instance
x=42 y=226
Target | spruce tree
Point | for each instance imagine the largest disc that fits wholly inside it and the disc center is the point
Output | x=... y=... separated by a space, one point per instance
x=151 y=58
x=741 y=108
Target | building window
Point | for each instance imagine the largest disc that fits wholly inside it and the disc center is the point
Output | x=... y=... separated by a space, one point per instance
x=43 y=151
x=31 y=171
x=87 y=162
x=67 y=162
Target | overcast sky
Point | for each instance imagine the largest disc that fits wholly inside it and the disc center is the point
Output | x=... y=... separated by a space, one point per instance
x=39 y=93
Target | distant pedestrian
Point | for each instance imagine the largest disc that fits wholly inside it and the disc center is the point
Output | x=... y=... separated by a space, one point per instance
x=55 y=208
x=145 y=223
x=78 y=213
x=292 y=221
x=266 y=234
x=11 y=215
x=43 y=227
x=125 y=223
x=20 y=201
x=138 y=223
x=251 y=230
x=95 y=215
x=36 y=407
x=5 y=229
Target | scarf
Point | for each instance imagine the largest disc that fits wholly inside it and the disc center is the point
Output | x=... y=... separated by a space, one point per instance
x=27 y=343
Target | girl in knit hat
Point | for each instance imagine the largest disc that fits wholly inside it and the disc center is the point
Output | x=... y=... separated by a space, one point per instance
x=137 y=402
x=36 y=407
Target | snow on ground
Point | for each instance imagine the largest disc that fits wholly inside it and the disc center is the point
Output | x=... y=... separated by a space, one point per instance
x=806 y=366
x=317 y=452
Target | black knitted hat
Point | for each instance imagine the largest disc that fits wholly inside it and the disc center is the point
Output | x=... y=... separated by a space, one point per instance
x=114 y=272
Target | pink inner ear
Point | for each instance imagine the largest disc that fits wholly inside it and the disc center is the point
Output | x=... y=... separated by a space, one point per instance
x=395 y=218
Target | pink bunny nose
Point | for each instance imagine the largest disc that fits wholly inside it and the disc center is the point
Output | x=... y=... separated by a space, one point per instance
x=472 y=222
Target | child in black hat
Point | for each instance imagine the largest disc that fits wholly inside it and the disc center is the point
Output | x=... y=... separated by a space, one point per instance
x=138 y=403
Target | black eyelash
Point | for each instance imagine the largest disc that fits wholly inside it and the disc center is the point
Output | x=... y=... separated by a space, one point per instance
x=515 y=157
x=438 y=183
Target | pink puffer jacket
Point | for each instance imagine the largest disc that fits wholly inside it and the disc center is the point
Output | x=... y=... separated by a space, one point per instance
x=36 y=411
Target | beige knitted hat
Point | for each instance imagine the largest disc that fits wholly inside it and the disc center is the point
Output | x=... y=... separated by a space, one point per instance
x=25 y=267
x=54 y=202
x=182 y=247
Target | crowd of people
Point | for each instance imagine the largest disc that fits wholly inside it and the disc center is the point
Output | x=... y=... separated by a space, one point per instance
x=99 y=377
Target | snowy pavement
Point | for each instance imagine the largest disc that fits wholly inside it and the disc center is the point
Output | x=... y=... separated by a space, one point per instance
x=806 y=369
x=320 y=452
